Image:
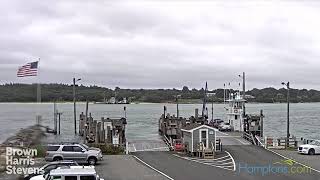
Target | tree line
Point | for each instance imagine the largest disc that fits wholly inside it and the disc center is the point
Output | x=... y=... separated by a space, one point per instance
x=64 y=92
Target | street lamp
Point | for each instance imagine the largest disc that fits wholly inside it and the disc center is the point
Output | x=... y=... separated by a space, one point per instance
x=288 y=107
x=74 y=104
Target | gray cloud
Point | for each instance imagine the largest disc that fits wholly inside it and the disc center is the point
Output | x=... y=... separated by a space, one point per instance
x=154 y=44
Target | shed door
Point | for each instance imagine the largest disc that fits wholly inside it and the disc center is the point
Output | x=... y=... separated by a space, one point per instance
x=203 y=137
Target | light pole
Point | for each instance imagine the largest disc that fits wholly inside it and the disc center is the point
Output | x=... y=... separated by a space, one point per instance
x=243 y=76
x=74 y=104
x=288 y=107
x=177 y=97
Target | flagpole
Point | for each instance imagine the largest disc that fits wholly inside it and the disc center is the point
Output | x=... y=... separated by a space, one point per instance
x=38 y=116
x=38 y=84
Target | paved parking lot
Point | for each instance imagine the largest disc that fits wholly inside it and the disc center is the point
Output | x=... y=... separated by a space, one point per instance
x=113 y=167
x=125 y=167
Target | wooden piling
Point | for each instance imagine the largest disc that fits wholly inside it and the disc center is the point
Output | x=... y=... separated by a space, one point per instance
x=81 y=124
x=102 y=136
x=94 y=128
x=196 y=113
x=98 y=132
x=59 y=115
x=55 y=117
x=87 y=108
x=109 y=135
x=261 y=123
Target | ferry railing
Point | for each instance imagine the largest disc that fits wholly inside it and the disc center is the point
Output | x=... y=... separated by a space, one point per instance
x=253 y=139
x=259 y=143
x=248 y=137
x=168 y=142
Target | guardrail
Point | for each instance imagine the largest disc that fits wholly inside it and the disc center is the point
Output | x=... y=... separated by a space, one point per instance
x=271 y=142
x=292 y=142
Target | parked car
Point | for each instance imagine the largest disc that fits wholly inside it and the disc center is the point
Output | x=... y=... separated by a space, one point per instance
x=72 y=172
x=215 y=123
x=178 y=145
x=225 y=127
x=311 y=148
x=80 y=153
x=50 y=166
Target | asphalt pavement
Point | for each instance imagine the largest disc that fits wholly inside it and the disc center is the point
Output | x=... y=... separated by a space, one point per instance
x=252 y=163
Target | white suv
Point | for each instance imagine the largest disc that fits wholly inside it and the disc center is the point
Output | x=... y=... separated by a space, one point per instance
x=311 y=148
x=80 y=153
x=70 y=173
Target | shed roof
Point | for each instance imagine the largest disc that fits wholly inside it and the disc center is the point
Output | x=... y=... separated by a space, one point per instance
x=195 y=126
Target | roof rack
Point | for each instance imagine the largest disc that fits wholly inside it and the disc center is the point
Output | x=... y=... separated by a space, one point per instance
x=64 y=143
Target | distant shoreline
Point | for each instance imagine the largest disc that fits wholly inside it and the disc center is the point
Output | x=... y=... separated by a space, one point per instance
x=92 y=102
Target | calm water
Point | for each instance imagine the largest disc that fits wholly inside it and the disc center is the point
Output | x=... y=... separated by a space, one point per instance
x=143 y=118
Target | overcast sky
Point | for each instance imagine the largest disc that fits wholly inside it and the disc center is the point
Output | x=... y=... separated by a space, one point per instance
x=154 y=44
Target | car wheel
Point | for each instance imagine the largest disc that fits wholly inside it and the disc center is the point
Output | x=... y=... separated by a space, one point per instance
x=92 y=161
x=57 y=159
x=311 y=152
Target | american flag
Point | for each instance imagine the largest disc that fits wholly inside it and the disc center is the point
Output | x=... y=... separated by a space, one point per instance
x=30 y=69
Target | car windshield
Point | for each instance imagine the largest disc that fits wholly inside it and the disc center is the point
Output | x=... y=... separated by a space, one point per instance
x=85 y=146
x=315 y=143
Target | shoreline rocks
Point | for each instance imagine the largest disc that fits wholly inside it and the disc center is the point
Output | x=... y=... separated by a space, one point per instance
x=26 y=137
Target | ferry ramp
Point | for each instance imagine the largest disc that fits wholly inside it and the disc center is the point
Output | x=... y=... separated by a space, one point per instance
x=232 y=138
x=147 y=145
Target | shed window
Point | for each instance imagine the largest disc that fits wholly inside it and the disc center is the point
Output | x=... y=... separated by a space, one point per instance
x=70 y=178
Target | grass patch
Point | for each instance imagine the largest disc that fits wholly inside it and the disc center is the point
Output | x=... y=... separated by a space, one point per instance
x=41 y=150
x=109 y=149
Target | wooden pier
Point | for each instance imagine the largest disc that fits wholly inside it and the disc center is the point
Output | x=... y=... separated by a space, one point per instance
x=105 y=130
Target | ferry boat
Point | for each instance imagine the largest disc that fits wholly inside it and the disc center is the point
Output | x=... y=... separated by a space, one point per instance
x=171 y=127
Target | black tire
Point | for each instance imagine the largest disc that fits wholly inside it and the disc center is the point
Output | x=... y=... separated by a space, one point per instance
x=57 y=159
x=311 y=152
x=92 y=161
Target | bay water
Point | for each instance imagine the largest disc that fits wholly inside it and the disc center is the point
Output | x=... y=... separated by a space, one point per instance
x=143 y=118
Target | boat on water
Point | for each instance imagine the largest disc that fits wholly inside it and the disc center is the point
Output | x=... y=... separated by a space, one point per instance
x=113 y=100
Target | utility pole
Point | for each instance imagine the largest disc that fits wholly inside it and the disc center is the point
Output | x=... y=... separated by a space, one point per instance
x=288 y=112
x=244 y=92
x=212 y=110
x=177 y=106
x=74 y=105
